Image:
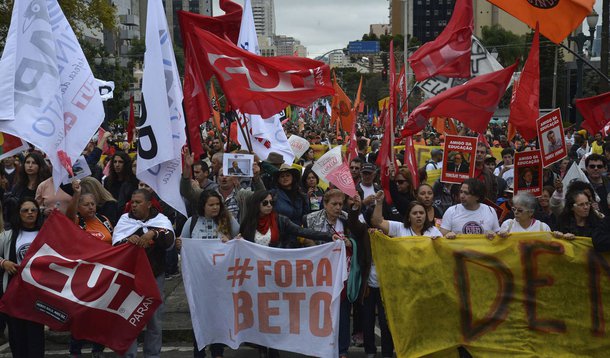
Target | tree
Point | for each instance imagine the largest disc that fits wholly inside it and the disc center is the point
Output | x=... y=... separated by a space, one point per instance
x=510 y=46
x=92 y=14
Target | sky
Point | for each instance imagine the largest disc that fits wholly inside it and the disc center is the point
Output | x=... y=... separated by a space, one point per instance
x=324 y=25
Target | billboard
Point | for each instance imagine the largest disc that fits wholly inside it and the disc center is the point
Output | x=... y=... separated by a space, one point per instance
x=363 y=47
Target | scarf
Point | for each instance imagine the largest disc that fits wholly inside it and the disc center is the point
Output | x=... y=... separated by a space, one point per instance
x=269 y=222
x=127 y=226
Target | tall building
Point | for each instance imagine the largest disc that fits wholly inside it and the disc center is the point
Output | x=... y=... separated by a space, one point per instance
x=380 y=29
x=264 y=17
x=430 y=18
x=118 y=42
x=203 y=7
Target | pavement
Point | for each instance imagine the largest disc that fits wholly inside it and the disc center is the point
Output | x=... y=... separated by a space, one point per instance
x=177 y=333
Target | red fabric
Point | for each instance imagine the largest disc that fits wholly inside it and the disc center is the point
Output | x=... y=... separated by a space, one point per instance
x=41 y=291
x=342 y=179
x=472 y=103
x=131 y=125
x=269 y=222
x=11 y=145
x=215 y=107
x=341 y=107
x=525 y=104
x=262 y=85
x=449 y=54
x=402 y=93
x=595 y=111
x=411 y=160
x=153 y=201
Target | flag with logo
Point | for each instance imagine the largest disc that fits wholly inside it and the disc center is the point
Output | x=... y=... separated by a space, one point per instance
x=161 y=135
x=558 y=18
x=449 y=54
x=68 y=280
x=596 y=112
x=262 y=85
x=472 y=103
x=525 y=104
x=48 y=95
x=11 y=145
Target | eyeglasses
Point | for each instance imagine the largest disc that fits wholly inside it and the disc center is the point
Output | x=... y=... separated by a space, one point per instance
x=267 y=202
x=399 y=182
x=28 y=210
x=598 y=166
x=583 y=205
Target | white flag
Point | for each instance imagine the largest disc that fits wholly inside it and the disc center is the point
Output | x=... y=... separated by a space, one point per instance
x=283 y=299
x=266 y=134
x=328 y=163
x=162 y=135
x=48 y=95
x=106 y=89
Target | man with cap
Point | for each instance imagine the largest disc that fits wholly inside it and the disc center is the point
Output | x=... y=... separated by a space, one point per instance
x=269 y=167
x=436 y=160
x=367 y=186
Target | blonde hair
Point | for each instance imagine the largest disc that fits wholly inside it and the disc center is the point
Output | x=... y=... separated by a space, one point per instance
x=93 y=186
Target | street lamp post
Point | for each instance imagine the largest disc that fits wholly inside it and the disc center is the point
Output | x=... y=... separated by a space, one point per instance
x=580 y=39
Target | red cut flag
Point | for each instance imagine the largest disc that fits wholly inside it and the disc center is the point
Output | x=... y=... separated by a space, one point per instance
x=411 y=160
x=341 y=107
x=262 y=85
x=131 y=124
x=449 y=54
x=472 y=103
x=11 y=145
x=69 y=280
x=524 y=106
x=595 y=111
x=402 y=94
x=386 y=156
x=558 y=18
x=342 y=179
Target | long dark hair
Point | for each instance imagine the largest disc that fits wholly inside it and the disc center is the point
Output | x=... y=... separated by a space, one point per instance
x=126 y=173
x=43 y=172
x=250 y=222
x=567 y=214
x=427 y=223
x=223 y=220
x=306 y=172
x=16 y=224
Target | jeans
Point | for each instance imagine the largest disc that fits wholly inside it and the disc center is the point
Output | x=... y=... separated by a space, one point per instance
x=344 y=336
x=26 y=338
x=171 y=261
x=154 y=330
x=370 y=302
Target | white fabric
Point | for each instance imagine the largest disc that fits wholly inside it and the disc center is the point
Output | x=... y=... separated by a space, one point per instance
x=24 y=240
x=397 y=229
x=263 y=239
x=266 y=134
x=576 y=173
x=508 y=176
x=216 y=300
x=367 y=190
x=160 y=154
x=106 y=89
x=512 y=225
x=328 y=163
x=127 y=226
x=462 y=221
x=48 y=95
x=298 y=145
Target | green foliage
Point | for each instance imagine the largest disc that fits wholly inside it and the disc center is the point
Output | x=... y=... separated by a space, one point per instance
x=510 y=46
x=93 y=14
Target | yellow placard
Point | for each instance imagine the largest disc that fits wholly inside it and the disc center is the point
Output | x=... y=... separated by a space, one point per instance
x=527 y=295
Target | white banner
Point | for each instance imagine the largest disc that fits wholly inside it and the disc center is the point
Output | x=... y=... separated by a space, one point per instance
x=299 y=145
x=481 y=62
x=48 y=95
x=284 y=299
x=328 y=163
x=266 y=134
x=162 y=135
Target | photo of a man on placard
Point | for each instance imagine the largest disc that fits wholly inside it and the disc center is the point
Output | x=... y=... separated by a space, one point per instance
x=552 y=143
x=528 y=178
x=235 y=170
x=458 y=163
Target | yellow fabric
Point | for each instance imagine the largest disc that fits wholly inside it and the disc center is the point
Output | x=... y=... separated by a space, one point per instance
x=424 y=291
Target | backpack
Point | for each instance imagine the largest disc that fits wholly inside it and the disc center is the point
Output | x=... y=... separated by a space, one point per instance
x=354 y=280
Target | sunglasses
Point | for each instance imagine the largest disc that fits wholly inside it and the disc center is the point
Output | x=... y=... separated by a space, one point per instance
x=267 y=202
x=28 y=210
x=598 y=166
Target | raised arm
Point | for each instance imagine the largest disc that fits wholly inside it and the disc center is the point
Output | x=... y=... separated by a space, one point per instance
x=377 y=219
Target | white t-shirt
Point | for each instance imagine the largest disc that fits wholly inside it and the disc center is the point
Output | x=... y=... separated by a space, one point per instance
x=397 y=229
x=463 y=221
x=24 y=240
x=508 y=175
x=367 y=190
x=512 y=225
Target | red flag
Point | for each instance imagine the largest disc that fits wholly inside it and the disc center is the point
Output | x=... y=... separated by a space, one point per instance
x=341 y=107
x=342 y=179
x=449 y=54
x=352 y=151
x=595 y=111
x=386 y=156
x=69 y=280
x=11 y=145
x=411 y=160
x=444 y=125
x=131 y=124
x=472 y=103
x=401 y=89
x=524 y=106
x=263 y=85
x=215 y=107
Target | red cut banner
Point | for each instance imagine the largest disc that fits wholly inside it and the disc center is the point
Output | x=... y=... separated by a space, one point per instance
x=69 y=280
x=528 y=172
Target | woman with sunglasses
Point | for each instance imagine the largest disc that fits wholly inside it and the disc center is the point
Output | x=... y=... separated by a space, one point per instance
x=26 y=338
x=524 y=207
x=578 y=217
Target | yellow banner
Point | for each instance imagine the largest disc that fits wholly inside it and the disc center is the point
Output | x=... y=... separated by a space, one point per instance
x=528 y=295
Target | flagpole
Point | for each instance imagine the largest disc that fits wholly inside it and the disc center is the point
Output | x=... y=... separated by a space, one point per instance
x=246 y=134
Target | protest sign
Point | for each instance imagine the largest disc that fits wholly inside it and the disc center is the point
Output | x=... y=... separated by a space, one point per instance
x=341 y=177
x=528 y=172
x=69 y=280
x=327 y=163
x=458 y=159
x=237 y=165
x=527 y=295
x=551 y=138
x=298 y=145
x=283 y=299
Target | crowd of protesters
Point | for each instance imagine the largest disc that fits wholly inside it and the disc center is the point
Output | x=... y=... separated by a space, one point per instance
x=286 y=206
